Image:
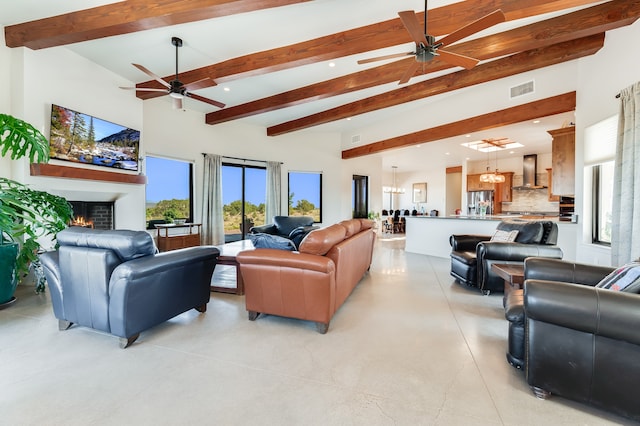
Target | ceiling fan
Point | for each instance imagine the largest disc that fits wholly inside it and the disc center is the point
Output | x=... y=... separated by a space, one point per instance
x=427 y=47
x=175 y=88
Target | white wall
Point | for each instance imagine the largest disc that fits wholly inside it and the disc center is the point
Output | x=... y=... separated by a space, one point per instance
x=59 y=76
x=5 y=96
x=600 y=77
x=184 y=135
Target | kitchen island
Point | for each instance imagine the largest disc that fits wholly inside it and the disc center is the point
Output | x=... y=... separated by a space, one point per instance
x=430 y=234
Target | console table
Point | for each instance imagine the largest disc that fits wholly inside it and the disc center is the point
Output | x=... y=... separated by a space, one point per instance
x=189 y=236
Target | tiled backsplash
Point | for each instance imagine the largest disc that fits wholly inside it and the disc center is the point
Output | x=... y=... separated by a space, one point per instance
x=530 y=200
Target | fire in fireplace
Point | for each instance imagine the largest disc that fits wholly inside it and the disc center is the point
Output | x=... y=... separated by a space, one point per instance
x=93 y=214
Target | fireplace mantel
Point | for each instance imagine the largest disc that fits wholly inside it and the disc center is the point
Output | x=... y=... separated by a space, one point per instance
x=53 y=170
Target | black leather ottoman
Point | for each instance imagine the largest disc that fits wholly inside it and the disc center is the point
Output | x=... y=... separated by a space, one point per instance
x=464 y=267
x=514 y=313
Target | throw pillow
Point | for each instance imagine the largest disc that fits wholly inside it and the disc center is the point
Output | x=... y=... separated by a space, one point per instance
x=626 y=278
x=262 y=240
x=504 y=236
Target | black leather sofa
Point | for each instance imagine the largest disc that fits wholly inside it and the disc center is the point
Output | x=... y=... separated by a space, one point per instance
x=294 y=228
x=114 y=281
x=578 y=341
x=473 y=255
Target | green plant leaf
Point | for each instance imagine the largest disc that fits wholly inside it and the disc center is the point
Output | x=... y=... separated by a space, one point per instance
x=21 y=139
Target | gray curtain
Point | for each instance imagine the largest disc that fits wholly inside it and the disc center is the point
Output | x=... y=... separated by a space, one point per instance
x=625 y=237
x=212 y=215
x=273 y=198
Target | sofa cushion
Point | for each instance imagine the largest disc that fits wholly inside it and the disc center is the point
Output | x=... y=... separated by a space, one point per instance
x=625 y=278
x=366 y=224
x=528 y=232
x=263 y=240
x=320 y=241
x=286 y=224
x=126 y=244
x=352 y=226
x=504 y=236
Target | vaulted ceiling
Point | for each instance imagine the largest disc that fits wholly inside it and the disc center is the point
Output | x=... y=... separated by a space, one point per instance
x=292 y=64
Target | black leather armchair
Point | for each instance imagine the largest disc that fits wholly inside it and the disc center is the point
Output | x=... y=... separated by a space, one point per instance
x=294 y=228
x=114 y=281
x=473 y=255
x=582 y=342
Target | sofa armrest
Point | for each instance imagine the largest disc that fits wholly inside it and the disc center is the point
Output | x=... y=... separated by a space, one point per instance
x=264 y=229
x=466 y=242
x=149 y=290
x=560 y=270
x=515 y=252
x=602 y=312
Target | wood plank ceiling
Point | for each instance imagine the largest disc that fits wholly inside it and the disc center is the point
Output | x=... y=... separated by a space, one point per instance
x=565 y=37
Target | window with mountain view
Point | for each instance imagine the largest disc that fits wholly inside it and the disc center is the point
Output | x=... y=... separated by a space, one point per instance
x=305 y=194
x=169 y=190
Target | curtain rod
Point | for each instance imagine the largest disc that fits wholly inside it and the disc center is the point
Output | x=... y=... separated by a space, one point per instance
x=242 y=159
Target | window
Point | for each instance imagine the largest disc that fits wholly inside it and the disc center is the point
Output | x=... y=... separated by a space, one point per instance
x=305 y=195
x=602 y=202
x=169 y=190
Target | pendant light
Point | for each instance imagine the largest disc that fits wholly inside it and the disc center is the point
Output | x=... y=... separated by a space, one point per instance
x=492 y=177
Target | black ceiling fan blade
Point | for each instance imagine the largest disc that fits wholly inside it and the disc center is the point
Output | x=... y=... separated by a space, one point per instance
x=457 y=59
x=382 y=58
x=152 y=75
x=410 y=21
x=143 y=89
x=485 y=22
x=205 y=100
x=200 y=84
x=410 y=72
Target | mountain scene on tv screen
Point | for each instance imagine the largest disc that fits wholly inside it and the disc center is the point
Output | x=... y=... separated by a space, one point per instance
x=85 y=139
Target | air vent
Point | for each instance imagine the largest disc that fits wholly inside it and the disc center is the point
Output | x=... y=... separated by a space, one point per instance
x=521 y=89
x=355 y=139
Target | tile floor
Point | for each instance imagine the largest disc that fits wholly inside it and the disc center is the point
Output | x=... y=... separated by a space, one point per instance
x=409 y=347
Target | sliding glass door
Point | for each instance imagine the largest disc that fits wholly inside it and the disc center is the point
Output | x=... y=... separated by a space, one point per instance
x=243 y=199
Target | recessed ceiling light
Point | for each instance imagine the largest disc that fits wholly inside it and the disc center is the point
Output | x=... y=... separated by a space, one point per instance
x=227 y=89
x=332 y=64
x=511 y=152
x=447 y=153
x=536 y=121
x=418 y=146
x=467 y=136
x=348 y=118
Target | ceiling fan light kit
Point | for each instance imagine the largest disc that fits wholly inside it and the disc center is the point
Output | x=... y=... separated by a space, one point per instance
x=175 y=88
x=426 y=46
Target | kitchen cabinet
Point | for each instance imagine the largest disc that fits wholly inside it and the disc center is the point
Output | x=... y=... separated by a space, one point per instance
x=552 y=197
x=474 y=184
x=504 y=193
x=563 y=154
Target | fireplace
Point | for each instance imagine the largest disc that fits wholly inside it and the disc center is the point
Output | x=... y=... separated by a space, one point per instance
x=93 y=214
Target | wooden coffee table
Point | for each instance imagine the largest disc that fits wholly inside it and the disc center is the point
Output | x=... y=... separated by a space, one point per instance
x=512 y=274
x=228 y=253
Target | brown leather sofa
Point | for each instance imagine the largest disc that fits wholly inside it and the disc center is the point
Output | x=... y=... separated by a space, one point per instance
x=312 y=283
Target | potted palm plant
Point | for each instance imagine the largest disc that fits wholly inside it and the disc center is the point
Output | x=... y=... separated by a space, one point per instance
x=25 y=214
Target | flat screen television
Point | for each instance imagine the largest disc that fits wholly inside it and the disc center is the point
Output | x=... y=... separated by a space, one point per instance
x=82 y=138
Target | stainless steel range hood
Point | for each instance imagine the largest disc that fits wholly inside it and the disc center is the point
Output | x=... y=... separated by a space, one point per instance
x=529 y=168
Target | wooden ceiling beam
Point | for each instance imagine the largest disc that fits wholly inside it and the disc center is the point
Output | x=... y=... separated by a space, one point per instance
x=494 y=70
x=124 y=18
x=530 y=111
x=442 y=20
x=585 y=22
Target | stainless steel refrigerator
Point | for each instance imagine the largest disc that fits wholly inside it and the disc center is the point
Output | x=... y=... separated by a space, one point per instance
x=475 y=197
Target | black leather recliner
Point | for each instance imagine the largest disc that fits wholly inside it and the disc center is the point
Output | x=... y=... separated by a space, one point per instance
x=579 y=341
x=295 y=228
x=473 y=255
x=114 y=281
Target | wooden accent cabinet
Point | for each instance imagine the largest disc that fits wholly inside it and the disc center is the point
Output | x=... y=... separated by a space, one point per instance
x=563 y=154
x=504 y=192
x=173 y=241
